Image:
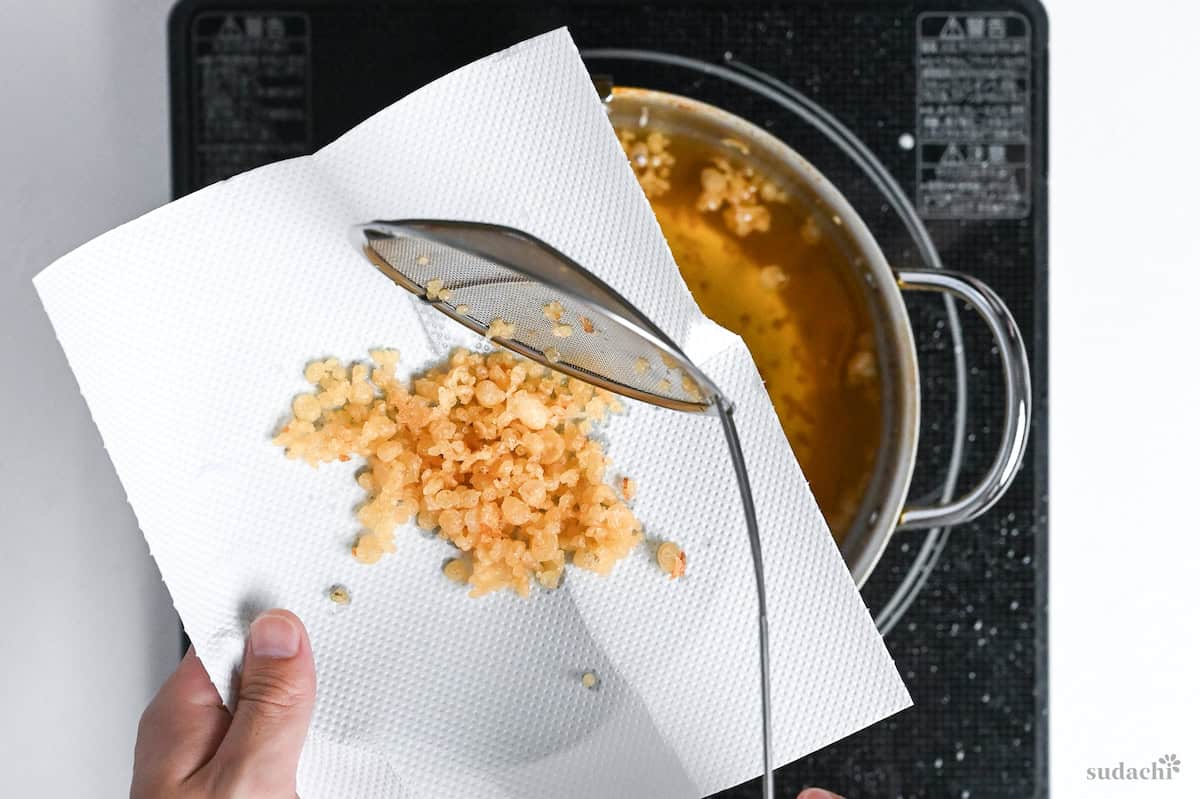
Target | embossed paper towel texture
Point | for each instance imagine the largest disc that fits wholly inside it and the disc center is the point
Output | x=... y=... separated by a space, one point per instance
x=188 y=330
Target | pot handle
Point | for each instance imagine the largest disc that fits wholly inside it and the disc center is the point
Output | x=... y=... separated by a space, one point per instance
x=1017 y=400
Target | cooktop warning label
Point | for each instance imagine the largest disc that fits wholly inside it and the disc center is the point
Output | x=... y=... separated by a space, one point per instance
x=973 y=107
x=252 y=78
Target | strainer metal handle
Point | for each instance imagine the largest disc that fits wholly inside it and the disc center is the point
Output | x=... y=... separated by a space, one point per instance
x=725 y=412
x=1017 y=397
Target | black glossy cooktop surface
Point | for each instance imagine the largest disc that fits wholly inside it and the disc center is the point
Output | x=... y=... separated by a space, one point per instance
x=950 y=97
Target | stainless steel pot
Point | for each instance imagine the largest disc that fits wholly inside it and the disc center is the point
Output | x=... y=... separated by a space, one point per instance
x=884 y=508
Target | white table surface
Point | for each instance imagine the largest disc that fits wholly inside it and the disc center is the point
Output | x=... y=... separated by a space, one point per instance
x=84 y=147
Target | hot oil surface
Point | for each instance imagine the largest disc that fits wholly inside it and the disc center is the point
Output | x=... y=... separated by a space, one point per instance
x=790 y=291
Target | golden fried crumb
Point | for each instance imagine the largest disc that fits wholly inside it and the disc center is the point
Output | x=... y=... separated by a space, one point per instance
x=650 y=160
x=671 y=559
x=307 y=408
x=690 y=386
x=810 y=231
x=664 y=385
x=746 y=219
x=737 y=144
x=422 y=260
x=552 y=354
x=500 y=329
x=562 y=331
x=641 y=366
x=550 y=576
x=587 y=325
x=553 y=311
x=769 y=192
x=339 y=595
x=444 y=295
x=628 y=488
x=590 y=680
x=490 y=450
x=386 y=359
x=771 y=277
x=462 y=310
x=433 y=288
x=315 y=371
x=861 y=369
x=367 y=549
x=458 y=570
x=741 y=193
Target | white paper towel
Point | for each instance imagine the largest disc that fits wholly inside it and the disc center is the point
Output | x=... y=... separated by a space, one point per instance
x=188 y=330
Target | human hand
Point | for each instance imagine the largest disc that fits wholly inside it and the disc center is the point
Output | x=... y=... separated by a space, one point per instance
x=817 y=793
x=190 y=747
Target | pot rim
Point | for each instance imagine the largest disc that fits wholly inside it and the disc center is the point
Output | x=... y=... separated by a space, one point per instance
x=862 y=548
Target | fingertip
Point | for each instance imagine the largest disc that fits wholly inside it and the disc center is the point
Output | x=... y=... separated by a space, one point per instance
x=190 y=662
x=284 y=613
x=190 y=683
x=817 y=793
x=276 y=635
x=278 y=640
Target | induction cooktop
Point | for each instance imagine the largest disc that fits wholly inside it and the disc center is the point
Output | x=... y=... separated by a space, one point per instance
x=946 y=101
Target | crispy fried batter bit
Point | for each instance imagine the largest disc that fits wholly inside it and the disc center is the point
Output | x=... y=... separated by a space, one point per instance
x=587 y=325
x=562 y=331
x=491 y=451
x=650 y=160
x=641 y=366
x=861 y=369
x=671 y=559
x=772 y=277
x=458 y=570
x=737 y=144
x=433 y=289
x=368 y=549
x=552 y=354
x=590 y=680
x=741 y=192
x=628 y=488
x=339 y=595
x=810 y=231
x=500 y=329
x=462 y=310
x=553 y=311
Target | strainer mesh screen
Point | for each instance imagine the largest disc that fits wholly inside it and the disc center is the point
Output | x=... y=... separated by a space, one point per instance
x=584 y=341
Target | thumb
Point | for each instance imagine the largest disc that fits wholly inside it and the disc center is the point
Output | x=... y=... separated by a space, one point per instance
x=259 y=754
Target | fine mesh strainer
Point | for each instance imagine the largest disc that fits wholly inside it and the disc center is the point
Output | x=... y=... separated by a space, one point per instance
x=537 y=302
